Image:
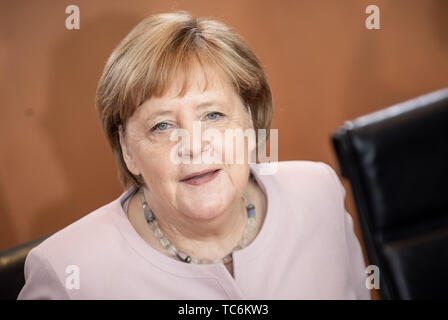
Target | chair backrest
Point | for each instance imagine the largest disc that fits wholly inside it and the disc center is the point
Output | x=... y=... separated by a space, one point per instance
x=12 y=262
x=396 y=160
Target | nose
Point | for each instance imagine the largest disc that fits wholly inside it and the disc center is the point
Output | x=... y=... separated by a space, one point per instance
x=192 y=145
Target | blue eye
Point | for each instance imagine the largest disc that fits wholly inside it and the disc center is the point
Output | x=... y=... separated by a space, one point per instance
x=160 y=126
x=214 y=115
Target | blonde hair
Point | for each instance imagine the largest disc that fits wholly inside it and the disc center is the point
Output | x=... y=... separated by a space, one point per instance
x=144 y=64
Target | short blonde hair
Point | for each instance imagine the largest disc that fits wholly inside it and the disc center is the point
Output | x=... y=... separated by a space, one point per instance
x=144 y=63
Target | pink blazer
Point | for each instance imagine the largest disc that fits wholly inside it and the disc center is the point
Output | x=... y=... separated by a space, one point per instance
x=306 y=249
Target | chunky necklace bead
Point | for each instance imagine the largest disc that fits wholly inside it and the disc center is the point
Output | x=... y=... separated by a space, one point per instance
x=174 y=252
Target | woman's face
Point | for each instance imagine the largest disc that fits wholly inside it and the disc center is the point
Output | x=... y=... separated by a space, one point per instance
x=148 y=149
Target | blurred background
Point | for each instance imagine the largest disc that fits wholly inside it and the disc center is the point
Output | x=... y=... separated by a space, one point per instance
x=323 y=64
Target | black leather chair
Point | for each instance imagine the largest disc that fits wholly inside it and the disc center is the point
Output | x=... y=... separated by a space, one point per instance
x=396 y=160
x=12 y=262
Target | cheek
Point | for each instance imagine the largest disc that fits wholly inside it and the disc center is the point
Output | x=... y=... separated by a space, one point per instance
x=238 y=178
x=155 y=163
x=238 y=174
x=235 y=147
x=228 y=140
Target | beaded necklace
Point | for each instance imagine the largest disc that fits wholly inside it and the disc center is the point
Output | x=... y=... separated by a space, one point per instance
x=174 y=252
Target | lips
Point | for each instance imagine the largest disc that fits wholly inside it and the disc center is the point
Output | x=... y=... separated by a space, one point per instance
x=196 y=175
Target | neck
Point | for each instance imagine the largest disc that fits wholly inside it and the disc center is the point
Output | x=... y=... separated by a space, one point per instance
x=210 y=239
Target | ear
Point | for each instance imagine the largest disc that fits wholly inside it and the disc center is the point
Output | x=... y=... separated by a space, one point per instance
x=127 y=154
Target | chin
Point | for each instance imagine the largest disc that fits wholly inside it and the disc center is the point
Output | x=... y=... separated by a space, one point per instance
x=207 y=209
x=210 y=215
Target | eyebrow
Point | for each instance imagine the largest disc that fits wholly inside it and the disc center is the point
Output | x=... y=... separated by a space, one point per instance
x=199 y=106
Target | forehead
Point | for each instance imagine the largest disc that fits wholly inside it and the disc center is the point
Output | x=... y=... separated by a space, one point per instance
x=192 y=87
x=199 y=80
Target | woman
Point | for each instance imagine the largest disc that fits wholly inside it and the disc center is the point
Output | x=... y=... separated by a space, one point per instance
x=187 y=228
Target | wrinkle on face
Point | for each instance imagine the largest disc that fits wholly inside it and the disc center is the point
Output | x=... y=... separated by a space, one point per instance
x=150 y=151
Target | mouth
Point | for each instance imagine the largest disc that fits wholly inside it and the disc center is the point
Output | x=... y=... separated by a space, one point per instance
x=202 y=177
